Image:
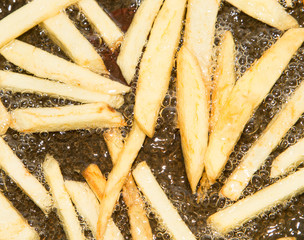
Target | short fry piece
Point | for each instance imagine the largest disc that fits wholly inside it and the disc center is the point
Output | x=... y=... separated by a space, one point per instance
x=249 y=207
x=136 y=36
x=12 y=224
x=246 y=95
x=92 y=115
x=46 y=65
x=270 y=12
x=62 y=201
x=289 y=3
x=160 y=203
x=5 y=119
x=21 y=82
x=114 y=141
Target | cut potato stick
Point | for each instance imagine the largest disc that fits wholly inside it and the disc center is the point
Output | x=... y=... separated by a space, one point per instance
x=92 y=115
x=26 y=17
x=160 y=203
x=224 y=77
x=247 y=94
x=64 y=33
x=270 y=12
x=21 y=82
x=15 y=169
x=12 y=224
x=62 y=201
x=136 y=36
x=287 y=238
x=103 y=24
x=261 y=149
x=5 y=119
x=193 y=114
x=249 y=207
x=46 y=65
x=88 y=206
x=118 y=176
x=289 y=3
x=156 y=65
x=114 y=141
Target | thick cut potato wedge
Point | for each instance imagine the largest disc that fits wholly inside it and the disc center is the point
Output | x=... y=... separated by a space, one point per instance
x=160 y=203
x=246 y=95
x=249 y=207
x=26 y=17
x=21 y=82
x=270 y=12
x=103 y=24
x=62 y=201
x=12 y=224
x=46 y=65
x=15 y=169
x=64 y=33
x=269 y=139
x=193 y=114
x=92 y=115
x=136 y=36
x=5 y=119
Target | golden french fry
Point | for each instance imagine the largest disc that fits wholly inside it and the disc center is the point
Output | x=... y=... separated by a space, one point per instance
x=5 y=119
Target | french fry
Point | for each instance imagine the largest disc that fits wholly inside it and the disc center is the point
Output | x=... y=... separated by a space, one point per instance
x=246 y=95
x=289 y=3
x=21 y=82
x=103 y=24
x=114 y=141
x=249 y=207
x=12 y=224
x=15 y=169
x=269 y=139
x=193 y=114
x=136 y=36
x=62 y=201
x=270 y=12
x=64 y=33
x=156 y=65
x=287 y=238
x=92 y=115
x=224 y=77
x=46 y=65
x=5 y=119
x=160 y=203
x=26 y=17
x=88 y=206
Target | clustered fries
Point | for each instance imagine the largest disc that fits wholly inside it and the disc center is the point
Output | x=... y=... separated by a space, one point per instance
x=212 y=108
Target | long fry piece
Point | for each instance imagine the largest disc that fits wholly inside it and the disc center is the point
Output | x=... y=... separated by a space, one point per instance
x=92 y=115
x=249 y=207
x=12 y=224
x=157 y=63
x=5 y=119
x=46 y=65
x=21 y=82
x=63 y=32
x=270 y=12
x=136 y=36
x=269 y=139
x=62 y=201
x=160 y=203
x=193 y=114
x=246 y=95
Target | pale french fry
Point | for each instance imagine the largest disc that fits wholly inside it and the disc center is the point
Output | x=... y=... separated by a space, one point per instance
x=289 y=3
x=249 y=207
x=15 y=169
x=12 y=224
x=156 y=65
x=46 y=65
x=103 y=24
x=88 y=206
x=261 y=149
x=270 y=12
x=246 y=95
x=26 y=17
x=193 y=114
x=224 y=77
x=114 y=141
x=118 y=176
x=136 y=36
x=5 y=119
x=62 y=201
x=71 y=117
x=21 y=82
x=64 y=33
x=160 y=203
